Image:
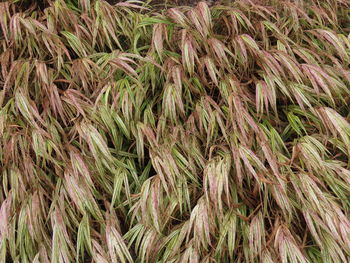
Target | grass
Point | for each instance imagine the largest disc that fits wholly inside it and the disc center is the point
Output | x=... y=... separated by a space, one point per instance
x=189 y=134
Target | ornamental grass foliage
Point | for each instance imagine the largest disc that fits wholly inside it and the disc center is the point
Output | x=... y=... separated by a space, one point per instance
x=217 y=134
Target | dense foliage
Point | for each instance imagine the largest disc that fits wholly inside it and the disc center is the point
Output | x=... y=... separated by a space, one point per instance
x=187 y=135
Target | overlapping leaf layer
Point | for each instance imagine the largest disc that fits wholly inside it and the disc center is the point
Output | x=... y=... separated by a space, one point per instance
x=187 y=135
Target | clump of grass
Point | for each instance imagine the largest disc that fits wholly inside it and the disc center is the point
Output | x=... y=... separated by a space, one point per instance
x=197 y=134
